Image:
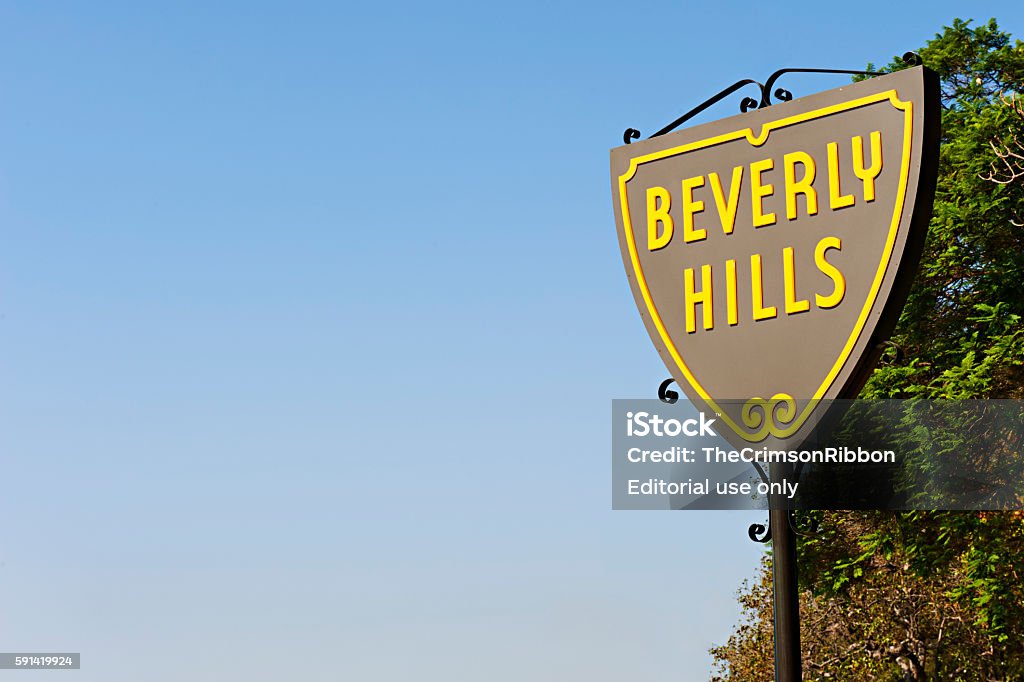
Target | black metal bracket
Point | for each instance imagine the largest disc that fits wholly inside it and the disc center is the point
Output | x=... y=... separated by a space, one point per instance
x=671 y=397
x=757 y=532
x=811 y=527
x=762 y=532
x=665 y=395
x=766 y=94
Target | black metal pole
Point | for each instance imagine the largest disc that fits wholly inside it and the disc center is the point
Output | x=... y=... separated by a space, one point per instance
x=786 y=601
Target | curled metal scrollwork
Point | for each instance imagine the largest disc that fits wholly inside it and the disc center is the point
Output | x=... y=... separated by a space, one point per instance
x=766 y=94
x=783 y=95
x=759 y=532
x=890 y=353
x=762 y=532
x=665 y=395
x=745 y=105
x=810 y=526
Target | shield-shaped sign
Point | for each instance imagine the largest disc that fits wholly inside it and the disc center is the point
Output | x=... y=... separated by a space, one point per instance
x=770 y=253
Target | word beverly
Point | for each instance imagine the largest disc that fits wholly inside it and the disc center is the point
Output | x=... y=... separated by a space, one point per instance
x=796 y=176
x=645 y=424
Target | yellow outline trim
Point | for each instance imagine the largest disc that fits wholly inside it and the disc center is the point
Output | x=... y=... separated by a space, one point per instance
x=768 y=425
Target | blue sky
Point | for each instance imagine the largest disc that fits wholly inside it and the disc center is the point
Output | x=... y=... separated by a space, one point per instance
x=311 y=316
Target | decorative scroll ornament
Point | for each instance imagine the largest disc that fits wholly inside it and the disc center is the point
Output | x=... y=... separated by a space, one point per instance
x=769 y=417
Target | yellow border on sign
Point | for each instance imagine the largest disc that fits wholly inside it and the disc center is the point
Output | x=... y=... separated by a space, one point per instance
x=768 y=425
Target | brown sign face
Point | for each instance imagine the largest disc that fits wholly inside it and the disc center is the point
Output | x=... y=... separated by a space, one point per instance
x=770 y=253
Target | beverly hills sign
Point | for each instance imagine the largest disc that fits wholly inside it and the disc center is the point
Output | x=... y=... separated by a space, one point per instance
x=770 y=253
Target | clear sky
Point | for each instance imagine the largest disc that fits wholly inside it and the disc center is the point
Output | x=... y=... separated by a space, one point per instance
x=311 y=316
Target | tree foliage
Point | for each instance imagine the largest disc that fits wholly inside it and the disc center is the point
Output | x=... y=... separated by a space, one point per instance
x=931 y=595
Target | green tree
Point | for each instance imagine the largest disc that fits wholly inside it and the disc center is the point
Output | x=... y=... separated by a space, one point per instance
x=931 y=595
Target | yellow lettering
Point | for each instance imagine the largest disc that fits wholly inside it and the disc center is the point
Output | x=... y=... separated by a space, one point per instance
x=702 y=297
x=836 y=198
x=732 y=303
x=760 y=190
x=727 y=208
x=789 y=284
x=691 y=207
x=802 y=186
x=757 y=291
x=868 y=175
x=838 y=281
x=658 y=203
